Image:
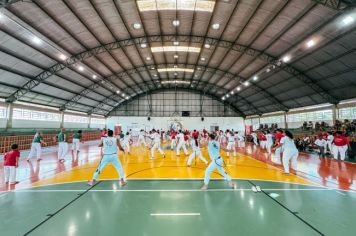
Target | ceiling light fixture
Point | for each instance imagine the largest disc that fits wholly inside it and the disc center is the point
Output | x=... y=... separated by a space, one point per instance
x=232 y=92
x=176 y=56
x=227 y=95
x=310 y=43
x=175 y=73
x=216 y=26
x=148 y=58
x=207 y=46
x=223 y=98
x=175 y=82
x=175 y=43
x=255 y=78
x=176 y=23
x=137 y=26
x=286 y=59
x=203 y=58
x=80 y=68
x=118 y=91
x=143 y=45
x=94 y=76
x=348 y=20
x=238 y=88
x=175 y=49
x=268 y=70
x=175 y=70
x=186 y=5
x=36 y=40
x=246 y=83
x=62 y=57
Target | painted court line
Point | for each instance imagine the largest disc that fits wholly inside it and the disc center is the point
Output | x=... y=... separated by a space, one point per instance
x=175 y=214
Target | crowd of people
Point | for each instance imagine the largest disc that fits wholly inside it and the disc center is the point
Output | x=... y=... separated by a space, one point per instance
x=282 y=143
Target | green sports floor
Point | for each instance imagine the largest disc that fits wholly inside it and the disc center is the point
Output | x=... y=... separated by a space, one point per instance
x=177 y=207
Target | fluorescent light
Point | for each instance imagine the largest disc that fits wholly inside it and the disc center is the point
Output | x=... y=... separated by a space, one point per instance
x=175 y=73
x=186 y=5
x=286 y=59
x=232 y=92
x=137 y=26
x=207 y=46
x=246 y=83
x=175 y=66
x=268 y=70
x=176 y=56
x=94 y=76
x=227 y=95
x=348 y=20
x=175 y=43
x=176 y=23
x=62 y=57
x=203 y=58
x=155 y=75
x=175 y=70
x=118 y=91
x=223 y=98
x=36 y=40
x=175 y=82
x=255 y=78
x=310 y=43
x=80 y=68
x=127 y=97
x=216 y=26
x=143 y=45
x=148 y=58
x=238 y=88
x=123 y=94
x=175 y=49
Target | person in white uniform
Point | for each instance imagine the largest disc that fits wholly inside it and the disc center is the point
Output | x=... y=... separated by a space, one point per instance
x=62 y=145
x=269 y=142
x=290 y=151
x=77 y=137
x=141 y=138
x=216 y=163
x=196 y=152
x=111 y=145
x=231 y=145
x=241 y=139
x=329 y=142
x=36 y=146
x=181 y=143
x=156 y=139
x=126 y=142
x=254 y=138
x=320 y=143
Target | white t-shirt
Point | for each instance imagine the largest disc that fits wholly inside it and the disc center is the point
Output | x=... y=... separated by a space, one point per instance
x=269 y=138
x=181 y=137
x=330 y=138
x=231 y=138
x=157 y=138
x=320 y=142
x=109 y=145
x=288 y=144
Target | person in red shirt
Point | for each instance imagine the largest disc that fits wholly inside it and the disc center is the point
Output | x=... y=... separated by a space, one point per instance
x=263 y=139
x=341 y=142
x=11 y=162
x=278 y=136
x=173 y=139
x=195 y=134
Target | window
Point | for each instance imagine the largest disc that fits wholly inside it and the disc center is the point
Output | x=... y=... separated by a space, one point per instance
x=324 y=115
x=347 y=113
x=3 y=111
x=272 y=120
x=99 y=121
x=75 y=119
x=26 y=114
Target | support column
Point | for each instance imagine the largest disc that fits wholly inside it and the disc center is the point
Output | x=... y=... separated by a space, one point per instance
x=89 y=123
x=62 y=120
x=335 y=112
x=285 y=120
x=9 y=115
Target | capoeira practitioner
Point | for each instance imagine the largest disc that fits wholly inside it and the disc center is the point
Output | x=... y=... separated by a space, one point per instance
x=329 y=142
x=196 y=151
x=231 y=145
x=36 y=146
x=254 y=138
x=181 y=143
x=269 y=141
x=141 y=138
x=216 y=163
x=156 y=138
x=173 y=139
x=241 y=139
x=76 y=142
x=62 y=145
x=279 y=135
x=110 y=146
x=127 y=142
x=290 y=151
x=341 y=143
x=262 y=138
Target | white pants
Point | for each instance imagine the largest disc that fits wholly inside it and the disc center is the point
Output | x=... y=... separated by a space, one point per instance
x=196 y=153
x=268 y=147
x=180 y=146
x=241 y=143
x=76 y=144
x=277 y=153
x=35 y=149
x=141 y=140
x=107 y=159
x=126 y=146
x=255 y=141
x=231 y=147
x=329 y=145
x=62 y=150
x=215 y=164
x=173 y=143
x=339 y=149
x=10 y=174
x=289 y=155
x=262 y=144
x=154 y=147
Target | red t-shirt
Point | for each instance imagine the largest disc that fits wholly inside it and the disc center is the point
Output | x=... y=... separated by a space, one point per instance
x=263 y=137
x=195 y=134
x=10 y=158
x=104 y=134
x=340 y=140
x=279 y=136
x=173 y=135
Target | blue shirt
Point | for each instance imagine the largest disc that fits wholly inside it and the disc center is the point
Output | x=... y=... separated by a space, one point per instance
x=214 y=149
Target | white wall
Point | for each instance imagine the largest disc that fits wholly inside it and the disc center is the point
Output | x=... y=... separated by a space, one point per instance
x=34 y=124
x=97 y=126
x=190 y=123
x=2 y=123
x=75 y=125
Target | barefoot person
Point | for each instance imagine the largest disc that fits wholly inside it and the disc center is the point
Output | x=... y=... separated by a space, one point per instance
x=36 y=146
x=110 y=146
x=216 y=163
x=290 y=151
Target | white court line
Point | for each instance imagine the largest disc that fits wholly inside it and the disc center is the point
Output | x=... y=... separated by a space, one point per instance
x=340 y=193
x=175 y=214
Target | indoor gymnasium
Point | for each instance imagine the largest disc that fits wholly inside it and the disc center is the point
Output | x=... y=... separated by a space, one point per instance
x=177 y=117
